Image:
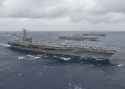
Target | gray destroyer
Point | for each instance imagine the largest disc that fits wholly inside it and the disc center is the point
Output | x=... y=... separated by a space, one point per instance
x=57 y=48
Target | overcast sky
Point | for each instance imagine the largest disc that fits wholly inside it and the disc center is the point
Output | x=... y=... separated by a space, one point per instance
x=62 y=15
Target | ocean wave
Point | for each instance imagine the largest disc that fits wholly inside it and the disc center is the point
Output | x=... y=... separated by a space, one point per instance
x=75 y=86
x=120 y=65
x=4 y=45
x=34 y=57
x=28 y=57
x=21 y=57
x=65 y=59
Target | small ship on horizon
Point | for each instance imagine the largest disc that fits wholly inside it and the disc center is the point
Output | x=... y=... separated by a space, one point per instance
x=57 y=48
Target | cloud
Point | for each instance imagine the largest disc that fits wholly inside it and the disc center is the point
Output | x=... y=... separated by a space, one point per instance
x=31 y=8
x=78 y=11
x=113 y=5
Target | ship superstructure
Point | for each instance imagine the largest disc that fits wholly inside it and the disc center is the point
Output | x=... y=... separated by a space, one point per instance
x=60 y=48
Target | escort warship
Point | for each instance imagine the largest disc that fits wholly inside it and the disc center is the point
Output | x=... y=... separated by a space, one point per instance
x=26 y=44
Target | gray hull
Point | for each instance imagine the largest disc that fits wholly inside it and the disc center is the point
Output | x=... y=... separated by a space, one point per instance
x=81 y=53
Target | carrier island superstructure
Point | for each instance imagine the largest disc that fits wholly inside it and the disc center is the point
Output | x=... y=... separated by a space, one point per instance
x=25 y=44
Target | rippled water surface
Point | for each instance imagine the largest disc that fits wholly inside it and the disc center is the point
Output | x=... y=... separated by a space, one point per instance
x=25 y=71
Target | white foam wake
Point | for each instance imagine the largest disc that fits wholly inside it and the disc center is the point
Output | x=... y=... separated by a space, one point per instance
x=28 y=57
x=120 y=65
x=65 y=59
x=21 y=57
x=34 y=57
x=4 y=45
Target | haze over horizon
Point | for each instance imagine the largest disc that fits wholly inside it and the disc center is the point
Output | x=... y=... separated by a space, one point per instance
x=62 y=15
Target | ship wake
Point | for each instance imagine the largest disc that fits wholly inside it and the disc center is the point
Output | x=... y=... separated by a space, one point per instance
x=63 y=59
x=29 y=57
x=4 y=45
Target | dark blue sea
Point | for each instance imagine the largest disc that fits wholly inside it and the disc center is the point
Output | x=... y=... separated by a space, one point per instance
x=25 y=71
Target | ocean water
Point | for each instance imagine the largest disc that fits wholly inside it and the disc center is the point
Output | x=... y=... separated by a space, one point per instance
x=26 y=71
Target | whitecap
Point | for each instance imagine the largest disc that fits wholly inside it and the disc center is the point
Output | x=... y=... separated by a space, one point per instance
x=120 y=65
x=21 y=57
x=37 y=57
x=65 y=59
x=31 y=57
x=77 y=87
x=4 y=45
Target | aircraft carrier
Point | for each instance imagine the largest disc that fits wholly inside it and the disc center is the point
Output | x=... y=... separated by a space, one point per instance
x=25 y=44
